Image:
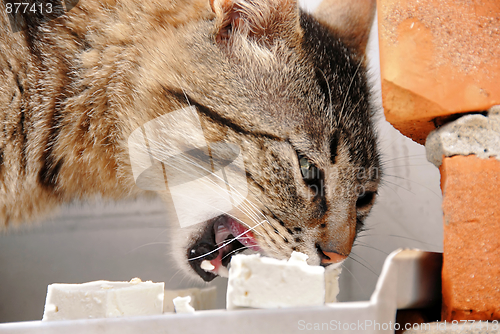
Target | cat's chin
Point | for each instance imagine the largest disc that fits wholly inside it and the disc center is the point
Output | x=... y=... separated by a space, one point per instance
x=210 y=253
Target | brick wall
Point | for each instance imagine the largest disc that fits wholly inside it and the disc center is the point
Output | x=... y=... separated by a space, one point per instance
x=439 y=60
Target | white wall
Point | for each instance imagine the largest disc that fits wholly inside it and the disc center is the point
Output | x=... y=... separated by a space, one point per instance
x=118 y=241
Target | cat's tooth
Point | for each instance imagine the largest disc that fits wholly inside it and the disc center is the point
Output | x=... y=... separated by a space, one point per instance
x=207 y=266
x=221 y=234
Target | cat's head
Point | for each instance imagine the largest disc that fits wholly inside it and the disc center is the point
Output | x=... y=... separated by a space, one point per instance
x=292 y=94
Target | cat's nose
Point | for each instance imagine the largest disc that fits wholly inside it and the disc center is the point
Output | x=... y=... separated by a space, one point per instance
x=329 y=257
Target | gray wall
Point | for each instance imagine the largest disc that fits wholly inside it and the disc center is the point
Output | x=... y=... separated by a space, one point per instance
x=118 y=241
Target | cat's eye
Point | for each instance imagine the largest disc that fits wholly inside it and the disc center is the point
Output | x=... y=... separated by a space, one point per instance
x=364 y=199
x=310 y=173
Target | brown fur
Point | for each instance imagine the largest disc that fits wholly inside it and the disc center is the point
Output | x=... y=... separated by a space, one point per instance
x=73 y=89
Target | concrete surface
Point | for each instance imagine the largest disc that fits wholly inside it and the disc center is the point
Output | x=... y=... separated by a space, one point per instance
x=470 y=134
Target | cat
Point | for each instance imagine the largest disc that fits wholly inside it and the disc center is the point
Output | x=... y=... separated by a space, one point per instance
x=289 y=89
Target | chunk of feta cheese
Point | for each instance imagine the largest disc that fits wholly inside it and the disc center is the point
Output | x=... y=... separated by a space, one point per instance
x=103 y=299
x=181 y=305
x=201 y=299
x=332 y=274
x=263 y=282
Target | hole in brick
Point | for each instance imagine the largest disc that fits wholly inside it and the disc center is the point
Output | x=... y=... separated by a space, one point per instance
x=440 y=121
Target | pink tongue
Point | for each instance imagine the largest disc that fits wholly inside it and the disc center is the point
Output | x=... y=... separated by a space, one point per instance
x=230 y=226
x=217 y=263
x=242 y=233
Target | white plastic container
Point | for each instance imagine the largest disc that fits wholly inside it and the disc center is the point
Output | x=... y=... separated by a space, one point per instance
x=409 y=279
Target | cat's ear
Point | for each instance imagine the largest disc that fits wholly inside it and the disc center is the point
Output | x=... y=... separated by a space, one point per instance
x=262 y=20
x=351 y=20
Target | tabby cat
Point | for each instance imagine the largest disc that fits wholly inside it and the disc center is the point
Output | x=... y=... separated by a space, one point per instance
x=288 y=88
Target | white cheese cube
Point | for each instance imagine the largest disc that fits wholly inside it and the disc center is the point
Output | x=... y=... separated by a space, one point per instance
x=181 y=305
x=332 y=274
x=103 y=299
x=263 y=282
x=201 y=299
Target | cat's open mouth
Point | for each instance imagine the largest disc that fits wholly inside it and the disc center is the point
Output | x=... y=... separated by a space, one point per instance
x=222 y=238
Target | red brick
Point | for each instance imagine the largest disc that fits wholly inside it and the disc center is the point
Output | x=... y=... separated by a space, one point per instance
x=471 y=259
x=438 y=58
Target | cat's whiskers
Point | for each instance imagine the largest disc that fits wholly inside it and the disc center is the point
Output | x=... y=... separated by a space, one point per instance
x=228 y=214
x=248 y=207
x=234 y=251
x=148 y=244
x=413 y=156
x=244 y=208
x=362 y=244
x=353 y=276
x=329 y=110
x=252 y=211
x=365 y=264
x=238 y=237
x=411 y=181
x=357 y=104
x=224 y=245
x=255 y=207
x=267 y=220
x=349 y=88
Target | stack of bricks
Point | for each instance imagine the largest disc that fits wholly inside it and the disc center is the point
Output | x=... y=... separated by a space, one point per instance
x=440 y=69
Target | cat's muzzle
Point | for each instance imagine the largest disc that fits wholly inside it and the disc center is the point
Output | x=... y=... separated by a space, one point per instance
x=222 y=238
